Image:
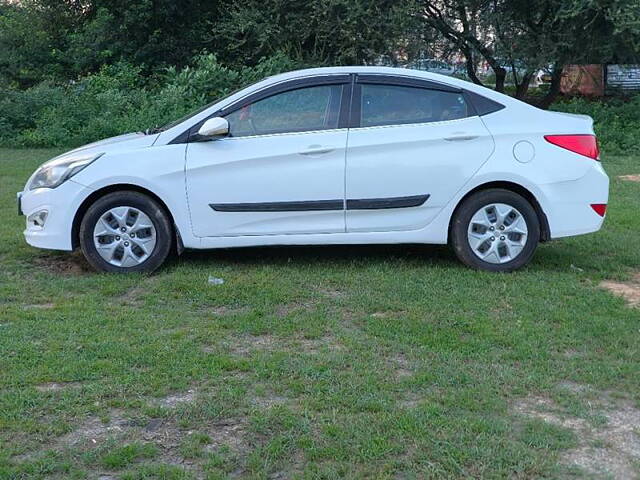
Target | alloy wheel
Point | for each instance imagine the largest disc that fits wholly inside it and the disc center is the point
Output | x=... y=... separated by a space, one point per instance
x=497 y=233
x=124 y=236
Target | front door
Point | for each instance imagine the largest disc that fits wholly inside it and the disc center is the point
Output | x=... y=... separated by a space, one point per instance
x=280 y=171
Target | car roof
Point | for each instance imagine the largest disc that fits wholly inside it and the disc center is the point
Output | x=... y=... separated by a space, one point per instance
x=398 y=72
x=394 y=71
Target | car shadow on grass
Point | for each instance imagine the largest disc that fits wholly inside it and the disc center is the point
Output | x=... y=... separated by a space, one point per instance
x=546 y=258
x=324 y=254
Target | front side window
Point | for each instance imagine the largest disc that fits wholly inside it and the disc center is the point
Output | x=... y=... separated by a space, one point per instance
x=399 y=105
x=300 y=110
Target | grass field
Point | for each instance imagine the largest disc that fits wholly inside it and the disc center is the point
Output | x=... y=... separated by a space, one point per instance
x=336 y=362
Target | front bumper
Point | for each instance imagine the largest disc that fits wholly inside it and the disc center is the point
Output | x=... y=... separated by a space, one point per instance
x=61 y=204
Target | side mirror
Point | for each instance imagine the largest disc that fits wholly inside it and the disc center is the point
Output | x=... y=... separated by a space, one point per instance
x=214 y=127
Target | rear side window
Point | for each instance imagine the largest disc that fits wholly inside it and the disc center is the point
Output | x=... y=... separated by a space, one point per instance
x=399 y=105
x=304 y=109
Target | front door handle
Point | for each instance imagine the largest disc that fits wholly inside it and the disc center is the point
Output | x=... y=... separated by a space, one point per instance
x=317 y=150
x=460 y=138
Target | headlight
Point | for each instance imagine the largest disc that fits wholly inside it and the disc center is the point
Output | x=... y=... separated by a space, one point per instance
x=56 y=171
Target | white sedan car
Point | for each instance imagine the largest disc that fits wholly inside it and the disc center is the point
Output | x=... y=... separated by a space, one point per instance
x=349 y=155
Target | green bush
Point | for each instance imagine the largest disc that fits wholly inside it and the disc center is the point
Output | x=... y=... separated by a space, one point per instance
x=119 y=99
x=616 y=121
x=19 y=109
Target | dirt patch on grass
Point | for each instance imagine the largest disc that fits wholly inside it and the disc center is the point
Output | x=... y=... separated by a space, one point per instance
x=225 y=310
x=574 y=387
x=572 y=353
x=503 y=307
x=263 y=396
x=132 y=297
x=165 y=433
x=388 y=314
x=317 y=345
x=630 y=178
x=93 y=431
x=410 y=400
x=65 y=264
x=609 y=449
x=39 y=306
x=332 y=293
x=286 y=309
x=269 y=400
x=229 y=432
x=630 y=290
x=246 y=344
x=55 y=386
x=167 y=436
x=294 y=470
x=168 y=433
x=176 y=399
x=401 y=365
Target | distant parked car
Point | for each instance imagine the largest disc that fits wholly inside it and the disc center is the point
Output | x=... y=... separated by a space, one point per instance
x=432 y=65
x=543 y=76
x=460 y=70
x=509 y=67
x=347 y=155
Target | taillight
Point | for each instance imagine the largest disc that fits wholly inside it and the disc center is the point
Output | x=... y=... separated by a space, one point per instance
x=599 y=208
x=586 y=145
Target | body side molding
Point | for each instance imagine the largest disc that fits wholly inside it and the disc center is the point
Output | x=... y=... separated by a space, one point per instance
x=299 y=206
x=316 y=205
x=388 y=202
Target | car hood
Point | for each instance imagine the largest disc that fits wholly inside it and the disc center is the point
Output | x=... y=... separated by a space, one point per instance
x=121 y=142
x=128 y=141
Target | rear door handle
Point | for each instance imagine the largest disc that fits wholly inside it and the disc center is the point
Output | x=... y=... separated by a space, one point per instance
x=460 y=138
x=317 y=150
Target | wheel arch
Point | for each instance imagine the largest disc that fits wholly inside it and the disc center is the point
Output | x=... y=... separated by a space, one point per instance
x=118 y=187
x=545 y=231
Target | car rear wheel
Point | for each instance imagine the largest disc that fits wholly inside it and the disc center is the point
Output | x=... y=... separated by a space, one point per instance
x=125 y=232
x=495 y=230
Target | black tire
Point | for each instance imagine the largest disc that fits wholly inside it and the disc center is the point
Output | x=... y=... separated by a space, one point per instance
x=137 y=200
x=462 y=219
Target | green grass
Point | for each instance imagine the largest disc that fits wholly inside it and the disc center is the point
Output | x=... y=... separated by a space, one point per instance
x=350 y=362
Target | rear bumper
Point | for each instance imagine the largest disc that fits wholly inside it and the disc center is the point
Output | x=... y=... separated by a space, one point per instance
x=60 y=203
x=568 y=207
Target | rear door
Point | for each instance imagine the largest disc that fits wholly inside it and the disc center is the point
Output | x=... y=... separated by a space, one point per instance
x=413 y=145
x=281 y=170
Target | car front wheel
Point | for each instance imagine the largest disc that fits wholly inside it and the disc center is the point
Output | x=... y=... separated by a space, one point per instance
x=495 y=230
x=125 y=232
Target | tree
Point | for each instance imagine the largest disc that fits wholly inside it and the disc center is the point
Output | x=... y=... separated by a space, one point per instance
x=29 y=50
x=562 y=32
x=470 y=26
x=69 y=38
x=319 y=33
x=526 y=35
